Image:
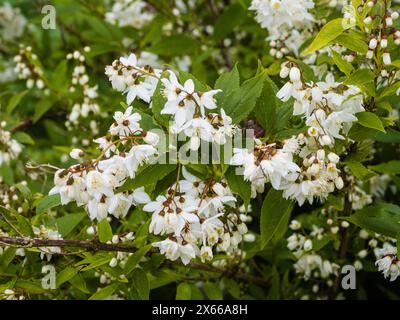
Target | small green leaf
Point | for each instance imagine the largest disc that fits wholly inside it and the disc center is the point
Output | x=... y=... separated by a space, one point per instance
x=273 y=211
x=15 y=100
x=141 y=284
x=183 y=291
x=48 y=202
x=65 y=275
x=359 y=170
x=360 y=77
x=238 y=185
x=105 y=292
x=391 y=167
x=213 y=291
x=104 y=230
x=383 y=218
x=135 y=258
x=68 y=222
x=329 y=32
x=148 y=176
x=342 y=64
x=370 y=120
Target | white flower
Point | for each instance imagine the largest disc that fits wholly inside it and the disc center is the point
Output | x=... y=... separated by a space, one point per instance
x=198 y=129
x=173 y=250
x=125 y=123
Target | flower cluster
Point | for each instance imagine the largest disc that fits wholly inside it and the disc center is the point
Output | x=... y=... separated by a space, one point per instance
x=27 y=68
x=137 y=82
x=197 y=217
x=12 y=22
x=9 y=147
x=94 y=183
x=80 y=81
x=131 y=13
x=288 y=23
x=387 y=261
x=47 y=234
x=266 y=163
x=379 y=28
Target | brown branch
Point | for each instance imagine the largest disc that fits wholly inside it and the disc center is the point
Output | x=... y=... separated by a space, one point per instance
x=94 y=245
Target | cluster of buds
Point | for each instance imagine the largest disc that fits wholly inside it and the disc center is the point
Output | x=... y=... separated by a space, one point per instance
x=380 y=28
x=27 y=69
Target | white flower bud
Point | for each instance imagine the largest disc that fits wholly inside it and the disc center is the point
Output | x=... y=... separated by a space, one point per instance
x=113 y=263
x=386 y=58
x=151 y=138
x=339 y=183
x=321 y=154
x=395 y=15
x=308 y=245
x=370 y=54
x=76 y=154
x=345 y=224
x=368 y=20
x=295 y=74
x=325 y=140
x=362 y=254
x=384 y=43
x=373 y=43
x=295 y=225
x=284 y=72
x=333 y=157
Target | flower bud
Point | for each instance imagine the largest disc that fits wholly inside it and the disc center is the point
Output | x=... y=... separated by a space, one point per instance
x=308 y=245
x=333 y=157
x=76 y=154
x=295 y=74
x=373 y=43
x=386 y=58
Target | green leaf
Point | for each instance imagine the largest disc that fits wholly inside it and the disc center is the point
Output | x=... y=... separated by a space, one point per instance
x=141 y=284
x=391 y=167
x=6 y=173
x=238 y=185
x=352 y=41
x=227 y=82
x=15 y=100
x=183 y=291
x=175 y=45
x=273 y=211
x=359 y=171
x=241 y=101
x=228 y=20
x=43 y=106
x=24 y=138
x=148 y=176
x=370 y=120
x=24 y=225
x=104 y=230
x=26 y=192
x=65 y=275
x=105 y=292
x=360 y=77
x=383 y=218
x=329 y=32
x=94 y=261
x=342 y=64
x=267 y=105
x=213 y=291
x=68 y=222
x=135 y=258
x=48 y=202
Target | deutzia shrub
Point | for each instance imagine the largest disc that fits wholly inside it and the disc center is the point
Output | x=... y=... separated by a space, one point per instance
x=158 y=149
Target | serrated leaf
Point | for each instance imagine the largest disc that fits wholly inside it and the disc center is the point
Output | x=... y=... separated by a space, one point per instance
x=135 y=258
x=391 y=167
x=370 y=120
x=329 y=32
x=273 y=210
x=342 y=64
